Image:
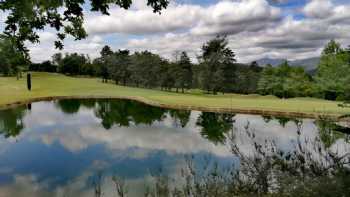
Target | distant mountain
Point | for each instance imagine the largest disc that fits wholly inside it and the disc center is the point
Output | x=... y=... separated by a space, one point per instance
x=273 y=62
x=309 y=64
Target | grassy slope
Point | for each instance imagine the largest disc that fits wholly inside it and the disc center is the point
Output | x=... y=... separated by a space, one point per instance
x=45 y=84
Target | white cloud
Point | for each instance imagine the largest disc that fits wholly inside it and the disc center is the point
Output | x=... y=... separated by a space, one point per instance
x=143 y=21
x=318 y=8
x=255 y=29
x=46 y=36
x=223 y=17
x=234 y=17
x=45 y=49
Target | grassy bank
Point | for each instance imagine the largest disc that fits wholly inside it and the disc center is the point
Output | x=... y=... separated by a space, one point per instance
x=47 y=85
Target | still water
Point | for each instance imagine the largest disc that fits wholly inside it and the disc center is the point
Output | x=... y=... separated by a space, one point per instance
x=76 y=147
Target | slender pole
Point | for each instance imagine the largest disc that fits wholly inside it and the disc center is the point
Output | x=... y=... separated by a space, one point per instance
x=29 y=81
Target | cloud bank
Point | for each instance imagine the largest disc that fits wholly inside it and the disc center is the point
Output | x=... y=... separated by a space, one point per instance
x=255 y=28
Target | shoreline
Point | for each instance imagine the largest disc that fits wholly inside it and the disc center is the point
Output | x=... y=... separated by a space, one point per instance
x=179 y=107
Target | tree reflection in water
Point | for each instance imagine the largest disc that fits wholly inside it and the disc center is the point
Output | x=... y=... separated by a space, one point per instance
x=69 y=106
x=124 y=113
x=180 y=117
x=309 y=169
x=11 y=121
x=214 y=126
x=312 y=167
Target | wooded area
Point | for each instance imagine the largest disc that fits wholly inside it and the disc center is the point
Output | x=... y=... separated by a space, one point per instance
x=215 y=72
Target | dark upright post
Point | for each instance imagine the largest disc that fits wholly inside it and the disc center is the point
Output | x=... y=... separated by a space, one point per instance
x=29 y=106
x=29 y=81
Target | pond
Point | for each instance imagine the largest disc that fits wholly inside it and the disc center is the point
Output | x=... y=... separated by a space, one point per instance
x=120 y=147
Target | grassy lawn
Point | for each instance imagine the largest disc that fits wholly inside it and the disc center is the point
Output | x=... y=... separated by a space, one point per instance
x=47 y=85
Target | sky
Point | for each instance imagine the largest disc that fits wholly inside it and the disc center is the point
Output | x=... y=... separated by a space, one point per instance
x=255 y=29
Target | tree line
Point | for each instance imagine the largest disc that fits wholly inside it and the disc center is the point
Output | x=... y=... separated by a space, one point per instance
x=216 y=71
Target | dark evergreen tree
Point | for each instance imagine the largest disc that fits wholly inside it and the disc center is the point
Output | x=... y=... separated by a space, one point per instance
x=183 y=72
x=217 y=61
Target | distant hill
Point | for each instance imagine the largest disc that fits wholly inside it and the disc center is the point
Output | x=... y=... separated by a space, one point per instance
x=309 y=64
x=274 y=62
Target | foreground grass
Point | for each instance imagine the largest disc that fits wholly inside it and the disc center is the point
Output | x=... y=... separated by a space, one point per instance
x=51 y=85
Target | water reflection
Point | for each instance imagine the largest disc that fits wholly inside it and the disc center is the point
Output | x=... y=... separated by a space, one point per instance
x=106 y=148
x=126 y=113
x=215 y=126
x=69 y=106
x=11 y=121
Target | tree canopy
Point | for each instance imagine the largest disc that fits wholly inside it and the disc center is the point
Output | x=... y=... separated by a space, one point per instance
x=285 y=81
x=26 y=17
x=217 y=61
x=333 y=72
x=11 y=59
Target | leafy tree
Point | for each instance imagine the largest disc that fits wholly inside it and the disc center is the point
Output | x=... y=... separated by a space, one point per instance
x=118 y=64
x=11 y=58
x=217 y=62
x=332 y=48
x=101 y=63
x=246 y=78
x=26 y=17
x=45 y=66
x=72 y=64
x=182 y=72
x=145 y=69
x=285 y=81
x=267 y=80
x=57 y=58
x=168 y=75
x=332 y=76
x=88 y=69
x=106 y=51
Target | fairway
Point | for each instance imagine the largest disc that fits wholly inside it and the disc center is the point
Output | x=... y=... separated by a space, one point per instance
x=46 y=85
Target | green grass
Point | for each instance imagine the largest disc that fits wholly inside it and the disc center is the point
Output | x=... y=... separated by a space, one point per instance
x=50 y=85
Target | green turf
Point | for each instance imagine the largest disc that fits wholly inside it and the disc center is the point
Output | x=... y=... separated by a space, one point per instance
x=45 y=84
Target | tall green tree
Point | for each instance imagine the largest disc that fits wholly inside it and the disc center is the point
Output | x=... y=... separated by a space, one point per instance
x=101 y=63
x=183 y=72
x=332 y=48
x=168 y=75
x=246 y=78
x=11 y=59
x=333 y=72
x=217 y=61
x=106 y=51
x=72 y=64
x=57 y=58
x=285 y=81
x=145 y=69
x=118 y=64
